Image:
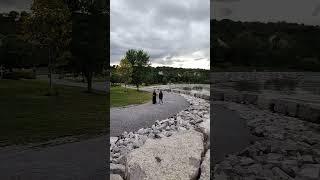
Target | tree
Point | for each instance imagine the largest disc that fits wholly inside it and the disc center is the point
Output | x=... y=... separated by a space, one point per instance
x=49 y=26
x=89 y=37
x=139 y=60
x=125 y=71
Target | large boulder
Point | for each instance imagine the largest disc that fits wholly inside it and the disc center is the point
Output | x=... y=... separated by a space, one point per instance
x=169 y=158
x=205 y=167
x=115 y=177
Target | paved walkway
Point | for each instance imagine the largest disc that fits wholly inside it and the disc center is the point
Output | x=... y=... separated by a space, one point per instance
x=100 y=86
x=80 y=160
x=229 y=132
x=141 y=116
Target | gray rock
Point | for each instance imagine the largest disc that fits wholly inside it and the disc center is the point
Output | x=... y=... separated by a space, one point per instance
x=205 y=167
x=310 y=171
x=307 y=159
x=175 y=157
x=246 y=161
x=113 y=140
x=115 y=177
x=281 y=174
x=117 y=169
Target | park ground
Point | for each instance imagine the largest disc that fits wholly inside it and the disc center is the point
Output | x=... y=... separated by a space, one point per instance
x=28 y=115
x=121 y=96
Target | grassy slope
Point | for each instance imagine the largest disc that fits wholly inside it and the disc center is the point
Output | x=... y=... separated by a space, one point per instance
x=119 y=97
x=27 y=115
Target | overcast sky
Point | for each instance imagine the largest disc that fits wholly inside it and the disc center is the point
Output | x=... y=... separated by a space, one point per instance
x=16 y=5
x=299 y=11
x=174 y=33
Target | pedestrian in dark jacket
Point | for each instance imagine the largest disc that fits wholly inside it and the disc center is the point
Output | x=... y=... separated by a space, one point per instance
x=154 y=97
x=160 y=97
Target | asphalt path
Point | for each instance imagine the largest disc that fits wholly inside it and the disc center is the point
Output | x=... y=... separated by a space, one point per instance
x=133 y=118
x=229 y=132
x=79 y=160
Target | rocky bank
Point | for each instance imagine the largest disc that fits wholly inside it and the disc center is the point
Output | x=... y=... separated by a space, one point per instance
x=173 y=148
x=285 y=147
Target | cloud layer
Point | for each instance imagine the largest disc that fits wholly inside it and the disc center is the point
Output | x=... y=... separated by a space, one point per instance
x=16 y=5
x=297 y=11
x=174 y=33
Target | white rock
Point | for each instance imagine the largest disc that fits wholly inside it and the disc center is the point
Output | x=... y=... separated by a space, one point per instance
x=115 y=177
x=175 y=157
x=205 y=167
x=113 y=140
x=117 y=169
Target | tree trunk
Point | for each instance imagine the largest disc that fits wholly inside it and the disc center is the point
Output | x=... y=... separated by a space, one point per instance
x=137 y=87
x=50 y=72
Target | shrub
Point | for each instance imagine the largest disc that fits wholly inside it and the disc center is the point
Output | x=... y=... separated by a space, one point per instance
x=19 y=75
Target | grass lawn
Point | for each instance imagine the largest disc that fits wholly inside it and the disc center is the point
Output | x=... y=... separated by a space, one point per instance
x=28 y=115
x=119 y=97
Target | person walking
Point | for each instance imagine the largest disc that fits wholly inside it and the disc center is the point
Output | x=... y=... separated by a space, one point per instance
x=160 y=97
x=154 y=97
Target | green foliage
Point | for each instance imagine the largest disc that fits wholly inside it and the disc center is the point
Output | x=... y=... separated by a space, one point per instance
x=125 y=71
x=139 y=61
x=16 y=75
x=49 y=24
x=91 y=57
x=265 y=46
x=164 y=75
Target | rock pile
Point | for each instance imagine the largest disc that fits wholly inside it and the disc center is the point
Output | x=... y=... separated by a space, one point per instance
x=286 y=148
x=169 y=158
x=195 y=118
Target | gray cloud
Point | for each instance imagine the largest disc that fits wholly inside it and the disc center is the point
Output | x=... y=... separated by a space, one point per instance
x=170 y=31
x=316 y=10
x=296 y=11
x=17 y=5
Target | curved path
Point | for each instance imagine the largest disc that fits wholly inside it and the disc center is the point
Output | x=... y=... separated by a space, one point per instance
x=229 y=132
x=141 y=116
x=79 y=160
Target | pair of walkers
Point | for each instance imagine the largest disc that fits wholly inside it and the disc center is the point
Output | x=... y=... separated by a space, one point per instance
x=154 y=97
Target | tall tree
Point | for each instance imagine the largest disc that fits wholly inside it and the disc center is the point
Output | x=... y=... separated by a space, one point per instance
x=49 y=26
x=89 y=41
x=139 y=60
x=125 y=71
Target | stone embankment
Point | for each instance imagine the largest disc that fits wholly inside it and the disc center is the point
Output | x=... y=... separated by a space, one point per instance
x=194 y=94
x=285 y=147
x=305 y=110
x=174 y=148
x=221 y=77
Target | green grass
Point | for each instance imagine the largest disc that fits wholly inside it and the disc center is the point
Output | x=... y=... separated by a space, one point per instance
x=120 y=97
x=28 y=115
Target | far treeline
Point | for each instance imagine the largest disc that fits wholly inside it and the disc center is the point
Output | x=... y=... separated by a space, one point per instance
x=264 y=46
x=135 y=68
x=62 y=35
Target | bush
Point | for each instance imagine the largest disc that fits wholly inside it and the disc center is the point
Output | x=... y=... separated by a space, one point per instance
x=19 y=75
x=244 y=85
